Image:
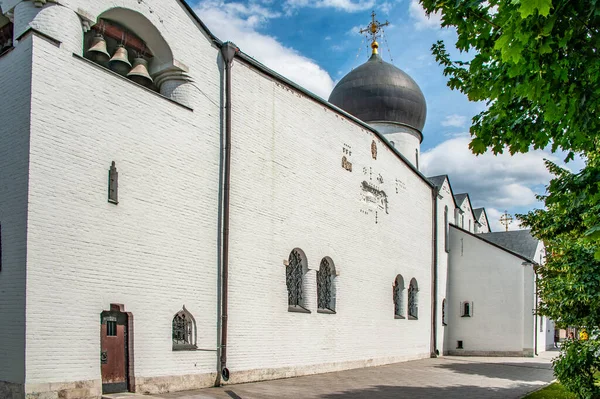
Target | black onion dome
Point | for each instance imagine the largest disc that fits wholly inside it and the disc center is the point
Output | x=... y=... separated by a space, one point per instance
x=378 y=91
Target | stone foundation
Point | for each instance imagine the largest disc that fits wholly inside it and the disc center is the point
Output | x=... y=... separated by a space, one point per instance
x=90 y=389
x=523 y=353
x=238 y=377
x=156 y=385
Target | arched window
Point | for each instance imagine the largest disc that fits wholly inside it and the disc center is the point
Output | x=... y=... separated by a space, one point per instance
x=294 y=277
x=184 y=331
x=466 y=309
x=446 y=228
x=126 y=42
x=444 y=312
x=413 y=300
x=326 y=287
x=398 y=292
x=113 y=46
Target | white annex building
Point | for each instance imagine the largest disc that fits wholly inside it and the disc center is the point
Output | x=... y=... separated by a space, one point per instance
x=174 y=215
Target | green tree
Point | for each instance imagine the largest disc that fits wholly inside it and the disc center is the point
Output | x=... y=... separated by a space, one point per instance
x=536 y=64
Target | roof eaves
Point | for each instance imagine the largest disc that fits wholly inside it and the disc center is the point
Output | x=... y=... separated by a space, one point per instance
x=195 y=16
x=481 y=238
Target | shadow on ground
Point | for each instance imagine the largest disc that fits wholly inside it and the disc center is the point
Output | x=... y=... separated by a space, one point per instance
x=458 y=392
x=510 y=371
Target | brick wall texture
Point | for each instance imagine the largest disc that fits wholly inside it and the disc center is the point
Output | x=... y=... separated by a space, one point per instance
x=159 y=248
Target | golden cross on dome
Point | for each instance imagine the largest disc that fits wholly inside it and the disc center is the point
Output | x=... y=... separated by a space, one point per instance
x=373 y=29
x=506 y=219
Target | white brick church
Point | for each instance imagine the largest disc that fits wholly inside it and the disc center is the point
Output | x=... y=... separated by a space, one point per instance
x=175 y=215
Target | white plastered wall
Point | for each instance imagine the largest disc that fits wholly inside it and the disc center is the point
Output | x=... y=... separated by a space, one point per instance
x=468 y=223
x=289 y=190
x=445 y=200
x=404 y=138
x=500 y=287
x=15 y=80
x=155 y=251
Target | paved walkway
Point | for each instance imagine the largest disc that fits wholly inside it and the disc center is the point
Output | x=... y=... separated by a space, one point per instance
x=447 y=377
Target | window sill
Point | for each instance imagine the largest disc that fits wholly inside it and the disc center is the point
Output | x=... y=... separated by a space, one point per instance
x=326 y=311
x=298 y=309
x=184 y=347
x=399 y=317
x=92 y=63
x=444 y=324
x=413 y=318
x=465 y=315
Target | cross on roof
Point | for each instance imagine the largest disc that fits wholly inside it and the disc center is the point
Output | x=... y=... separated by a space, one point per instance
x=373 y=29
x=506 y=219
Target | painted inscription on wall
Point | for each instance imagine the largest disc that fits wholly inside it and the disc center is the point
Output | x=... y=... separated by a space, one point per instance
x=373 y=195
x=347 y=153
x=374 y=187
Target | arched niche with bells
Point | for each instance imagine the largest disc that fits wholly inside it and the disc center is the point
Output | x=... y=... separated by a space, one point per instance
x=126 y=42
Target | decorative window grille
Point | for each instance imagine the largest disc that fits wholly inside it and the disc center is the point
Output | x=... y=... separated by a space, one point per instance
x=184 y=331
x=294 y=276
x=444 y=313
x=413 y=306
x=325 y=287
x=111 y=328
x=398 y=293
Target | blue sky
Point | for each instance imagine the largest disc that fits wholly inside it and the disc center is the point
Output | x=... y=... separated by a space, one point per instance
x=315 y=43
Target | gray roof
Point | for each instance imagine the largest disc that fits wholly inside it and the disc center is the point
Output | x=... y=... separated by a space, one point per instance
x=519 y=241
x=438 y=180
x=459 y=198
x=477 y=212
x=378 y=91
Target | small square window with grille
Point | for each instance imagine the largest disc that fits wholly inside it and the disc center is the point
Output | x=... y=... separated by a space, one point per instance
x=111 y=328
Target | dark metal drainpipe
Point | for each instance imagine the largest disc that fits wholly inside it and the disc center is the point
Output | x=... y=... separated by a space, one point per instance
x=228 y=51
x=535 y=312
x=434 y=266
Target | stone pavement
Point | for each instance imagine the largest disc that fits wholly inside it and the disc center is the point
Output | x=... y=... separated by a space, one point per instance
x=446 y=377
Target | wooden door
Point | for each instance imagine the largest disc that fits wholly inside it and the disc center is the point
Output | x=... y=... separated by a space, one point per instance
x=113 y=357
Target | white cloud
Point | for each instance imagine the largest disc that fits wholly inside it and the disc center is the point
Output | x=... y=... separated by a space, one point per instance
x=386 y=7
x=422 y=20
x=455 y=120
x=238 y=22
x=493 y=181
x=343 y=5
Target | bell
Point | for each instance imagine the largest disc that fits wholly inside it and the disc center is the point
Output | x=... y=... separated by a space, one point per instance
x=139 y=73
x=120 y=61
x=97 y=51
